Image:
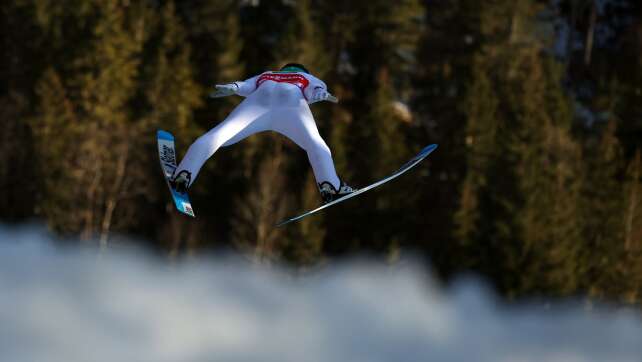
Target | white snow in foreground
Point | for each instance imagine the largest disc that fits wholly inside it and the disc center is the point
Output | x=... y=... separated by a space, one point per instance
x=63 y=304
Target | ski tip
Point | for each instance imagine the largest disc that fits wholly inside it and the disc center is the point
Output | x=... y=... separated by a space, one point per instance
x=428 y=149
x=285 y=222
x=164 y=135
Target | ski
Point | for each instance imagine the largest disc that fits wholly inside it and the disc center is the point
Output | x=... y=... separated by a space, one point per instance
x=407 y=166
x=167 y=155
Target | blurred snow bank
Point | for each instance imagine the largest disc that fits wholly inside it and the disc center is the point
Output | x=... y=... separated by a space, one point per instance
x=69 y=305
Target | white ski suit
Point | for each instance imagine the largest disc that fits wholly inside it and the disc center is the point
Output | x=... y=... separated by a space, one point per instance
x=275 y=101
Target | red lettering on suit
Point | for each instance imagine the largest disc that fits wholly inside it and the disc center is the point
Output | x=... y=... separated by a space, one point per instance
x=292 y=78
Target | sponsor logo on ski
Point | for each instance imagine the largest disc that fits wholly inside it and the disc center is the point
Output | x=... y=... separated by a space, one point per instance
x=167 y=154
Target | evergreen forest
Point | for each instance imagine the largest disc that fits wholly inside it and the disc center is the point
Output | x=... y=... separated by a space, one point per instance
x=536 y=106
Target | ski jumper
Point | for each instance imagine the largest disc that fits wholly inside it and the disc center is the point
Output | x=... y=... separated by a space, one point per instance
x=275 y=101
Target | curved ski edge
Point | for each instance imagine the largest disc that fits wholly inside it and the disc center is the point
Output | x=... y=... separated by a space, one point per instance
x=403 y=169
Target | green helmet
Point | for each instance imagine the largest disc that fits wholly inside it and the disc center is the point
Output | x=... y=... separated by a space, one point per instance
x=294 y=67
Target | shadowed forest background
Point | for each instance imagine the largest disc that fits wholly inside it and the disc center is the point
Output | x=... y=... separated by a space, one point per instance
x=536 y=106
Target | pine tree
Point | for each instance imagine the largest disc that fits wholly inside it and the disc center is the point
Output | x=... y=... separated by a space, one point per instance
x=171 y=92
x=103 y=114
x=24 y=61
x=440 y=81
x=489 y=197
x=519 y=200
x=604 y=207
x=633 y=205
x=101 y=83
x=550 y=180
x=168 y=98
x=482 y=143
x=387 y=36
x=215 y=50
x=631 y=262
x=261 y=208
x=57 y=132
x=105 y=82
x=301 y=41
x=307 y=243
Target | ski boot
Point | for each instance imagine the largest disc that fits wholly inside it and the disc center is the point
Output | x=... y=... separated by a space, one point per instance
x=181 y=181
x=329 y=193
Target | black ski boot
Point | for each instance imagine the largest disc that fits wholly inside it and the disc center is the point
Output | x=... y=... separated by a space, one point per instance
x=181 y=181
x=329 y=193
